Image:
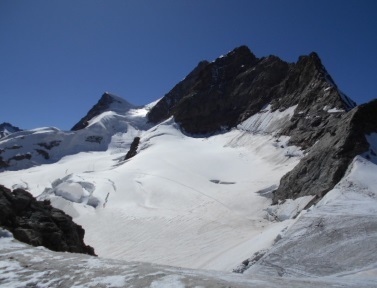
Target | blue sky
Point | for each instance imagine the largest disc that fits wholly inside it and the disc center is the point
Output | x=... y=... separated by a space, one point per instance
x=58 y=57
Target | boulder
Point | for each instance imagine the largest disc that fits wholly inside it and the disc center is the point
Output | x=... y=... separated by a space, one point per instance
x=39 y=224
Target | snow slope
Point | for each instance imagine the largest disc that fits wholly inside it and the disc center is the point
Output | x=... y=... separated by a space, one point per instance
x=25 y=266
x=183 y=201
x=336 y=237
x=193 y=202
x=117 y=126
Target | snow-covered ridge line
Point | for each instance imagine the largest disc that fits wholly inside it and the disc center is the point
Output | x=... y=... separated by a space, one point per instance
x=29 y=148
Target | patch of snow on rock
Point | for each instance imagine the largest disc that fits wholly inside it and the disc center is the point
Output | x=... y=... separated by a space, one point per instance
x=267 y=121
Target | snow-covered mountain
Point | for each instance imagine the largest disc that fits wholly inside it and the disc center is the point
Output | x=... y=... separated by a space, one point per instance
x=206 y=162
x=7 y=129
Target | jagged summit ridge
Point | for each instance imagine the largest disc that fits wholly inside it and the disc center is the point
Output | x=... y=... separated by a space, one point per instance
x=238 y=85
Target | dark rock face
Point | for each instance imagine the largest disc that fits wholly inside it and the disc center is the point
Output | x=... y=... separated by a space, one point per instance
x=232 y=88
x=102 y=105
x=39 y=224
x=133 y=149
x=327 y=161
x=229 y=90
x=7 y=128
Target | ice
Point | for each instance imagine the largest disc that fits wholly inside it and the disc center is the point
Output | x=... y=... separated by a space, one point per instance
x=336 y=236
x=267 y=121
x=133 y=209
x=192 y=202
x=170 y=281
x=288 y=208
x=18 y=268
x=71 y=191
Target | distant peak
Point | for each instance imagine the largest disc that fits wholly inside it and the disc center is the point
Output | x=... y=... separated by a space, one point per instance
x=311 y=59
x=7 y=128
x=241 y=53
x=7 y=124
x=107 y=102
x=110 y=97
x=241 y=49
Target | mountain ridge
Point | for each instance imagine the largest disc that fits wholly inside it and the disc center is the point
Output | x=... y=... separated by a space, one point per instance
x=7 y=129
x=235 y=136
x=238 y=85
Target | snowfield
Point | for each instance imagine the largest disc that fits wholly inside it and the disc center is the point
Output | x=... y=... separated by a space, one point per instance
x=337 y=237
x=195 y=202
x=190 y=201
x=25 y=266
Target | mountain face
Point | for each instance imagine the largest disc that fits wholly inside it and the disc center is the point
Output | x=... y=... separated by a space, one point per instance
x=111 y=115
x=327 y=161
x=233 y=88
x=7 y=129
x=229 y=90
x=243 y=157
x=108 y=102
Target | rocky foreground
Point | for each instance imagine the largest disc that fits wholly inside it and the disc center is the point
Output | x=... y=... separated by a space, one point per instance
x=39 y=224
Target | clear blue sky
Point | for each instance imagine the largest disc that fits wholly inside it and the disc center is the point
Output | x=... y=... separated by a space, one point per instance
x=58 y=57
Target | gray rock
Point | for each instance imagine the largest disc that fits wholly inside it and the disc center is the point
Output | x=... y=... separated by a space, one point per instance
x=102 y=105
x=232 y=88
x=39 y=224
x=133 y=148
x=7 y=129
x=327 y=161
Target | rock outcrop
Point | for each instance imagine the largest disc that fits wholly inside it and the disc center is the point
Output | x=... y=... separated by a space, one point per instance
x=7 y=128
x=104 y=104
x=327 y=161
x=39 y=224
x=223 y=93
x=133 y=148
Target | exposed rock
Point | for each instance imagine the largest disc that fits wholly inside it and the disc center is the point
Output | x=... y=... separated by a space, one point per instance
x=227 y=91
x=327 y=161
x=43 y=153
x=102 y=105
x=231 y=89
x=7 y=128
x=39 y=224
x=50 y=144
x=133 y=148
x=94 y=139
x=3 y=164
x=20 y=157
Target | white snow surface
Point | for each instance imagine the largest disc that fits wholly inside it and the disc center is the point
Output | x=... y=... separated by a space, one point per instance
x=190 y=202
x=24 y=266
x=182 y=201
x=337 y=237
x=267 y=121
x=116 y=127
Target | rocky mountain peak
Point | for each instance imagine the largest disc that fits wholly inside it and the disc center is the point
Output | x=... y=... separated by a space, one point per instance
x=107 y=102
x=7 y=128
x=238 y=85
